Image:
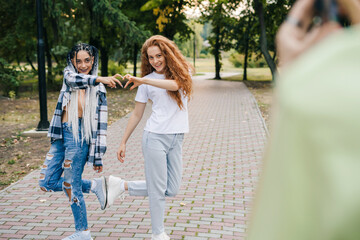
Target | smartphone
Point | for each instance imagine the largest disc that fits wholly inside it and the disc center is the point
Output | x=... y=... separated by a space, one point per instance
x=326 y=10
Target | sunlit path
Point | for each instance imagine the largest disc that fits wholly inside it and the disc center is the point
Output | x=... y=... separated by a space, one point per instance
x=222 y=157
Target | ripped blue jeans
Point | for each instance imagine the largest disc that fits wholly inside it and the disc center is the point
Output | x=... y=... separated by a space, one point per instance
x=68 y=157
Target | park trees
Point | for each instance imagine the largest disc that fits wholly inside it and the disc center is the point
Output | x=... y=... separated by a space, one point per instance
x=164 y=17
x=17 y=42
x=17 y=36
x=119 y=27
x=243 y=35
x=247 y=26
x=145 y=21
x=108 y=28
x=270 y=15
x=99 y=22
x=220 y=15
x=170 y=17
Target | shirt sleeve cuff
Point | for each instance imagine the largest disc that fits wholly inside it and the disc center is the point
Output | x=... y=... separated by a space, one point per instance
x=141 y=100
x=92 y=81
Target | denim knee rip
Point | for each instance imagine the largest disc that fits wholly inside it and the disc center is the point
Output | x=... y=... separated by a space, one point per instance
x=49 y=157
x=66 y=184
x=74 y=199
x=67 y=164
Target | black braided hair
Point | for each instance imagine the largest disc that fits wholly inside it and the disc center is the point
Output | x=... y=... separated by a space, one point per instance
x=91 y=50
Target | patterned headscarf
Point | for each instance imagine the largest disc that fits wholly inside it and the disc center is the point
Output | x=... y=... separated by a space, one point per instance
x=91 y=98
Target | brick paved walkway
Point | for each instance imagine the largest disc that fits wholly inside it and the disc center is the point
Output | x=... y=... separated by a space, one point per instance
x=221 y=154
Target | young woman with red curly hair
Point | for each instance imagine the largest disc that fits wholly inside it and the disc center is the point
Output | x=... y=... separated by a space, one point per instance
x=166 y=81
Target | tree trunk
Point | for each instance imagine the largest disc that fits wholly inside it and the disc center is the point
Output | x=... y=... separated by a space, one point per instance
x=259 y=9
x=135 y=58
x=93 y=28
x=30 y=62
x=217 y=54
x=56 y=59
x=19 y=66
x=104 y=61
x=246 y=55
x=194 y=46
x=50 y=77
x=274 y=57
x=246 y=60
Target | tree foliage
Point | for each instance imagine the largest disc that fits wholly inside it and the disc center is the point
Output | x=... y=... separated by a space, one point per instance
x=101 y=23
x=220 y=15
x=170 y=17
x=187 y=46
x=119 y=27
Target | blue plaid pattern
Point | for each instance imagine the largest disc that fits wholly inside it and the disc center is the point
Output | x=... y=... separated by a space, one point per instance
x=74 y=81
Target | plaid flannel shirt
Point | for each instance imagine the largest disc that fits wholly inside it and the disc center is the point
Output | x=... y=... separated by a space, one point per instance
x=72 y=82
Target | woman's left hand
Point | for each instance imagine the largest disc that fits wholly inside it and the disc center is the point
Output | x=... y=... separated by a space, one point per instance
x=131 y=79
x=98 y=169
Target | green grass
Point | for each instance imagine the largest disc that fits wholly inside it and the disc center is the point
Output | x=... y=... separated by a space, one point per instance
x=11 y=162
x=254 y=74
x=208 y=65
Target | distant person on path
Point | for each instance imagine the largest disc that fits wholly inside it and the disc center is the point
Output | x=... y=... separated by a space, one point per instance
x=166 y=81
x=78 y=135
x=310 y=182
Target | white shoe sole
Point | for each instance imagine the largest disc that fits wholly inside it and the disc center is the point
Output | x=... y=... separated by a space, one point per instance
x=104 y=185
x=112 y=185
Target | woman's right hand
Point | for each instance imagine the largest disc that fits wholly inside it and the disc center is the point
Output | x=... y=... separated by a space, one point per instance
x=137 y=81
x=121 y=153
x=110 y=81
x=294 y=36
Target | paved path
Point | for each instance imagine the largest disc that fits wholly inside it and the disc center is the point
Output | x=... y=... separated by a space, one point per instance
x=221 y=154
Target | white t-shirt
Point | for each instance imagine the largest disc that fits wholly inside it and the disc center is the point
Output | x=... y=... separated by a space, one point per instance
x=166 y=116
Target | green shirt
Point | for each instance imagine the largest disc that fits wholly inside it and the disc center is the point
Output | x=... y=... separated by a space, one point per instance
x=310 y=185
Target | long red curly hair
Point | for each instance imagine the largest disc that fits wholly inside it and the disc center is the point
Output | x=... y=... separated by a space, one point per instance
x=177 y=68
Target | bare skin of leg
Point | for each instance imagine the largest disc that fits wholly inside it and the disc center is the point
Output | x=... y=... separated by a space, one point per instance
x=68 y=191
x=66 y=184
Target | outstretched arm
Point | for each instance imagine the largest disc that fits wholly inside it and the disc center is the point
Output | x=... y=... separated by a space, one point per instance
x=82 y=81
x=167 y=84
x=133 y=122
x=110 y=81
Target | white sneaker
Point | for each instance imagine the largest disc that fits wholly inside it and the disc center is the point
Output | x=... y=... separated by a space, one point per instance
x=101 y=191
x=161 y=236
x=83 y=235
x=116 y=189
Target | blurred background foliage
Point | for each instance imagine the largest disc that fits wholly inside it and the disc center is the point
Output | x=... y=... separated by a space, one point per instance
x=118 y=28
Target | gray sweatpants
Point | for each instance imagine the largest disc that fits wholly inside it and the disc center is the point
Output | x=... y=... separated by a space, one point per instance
x=163 y=170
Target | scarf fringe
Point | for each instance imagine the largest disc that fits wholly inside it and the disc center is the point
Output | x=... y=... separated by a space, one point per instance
x=89 y=114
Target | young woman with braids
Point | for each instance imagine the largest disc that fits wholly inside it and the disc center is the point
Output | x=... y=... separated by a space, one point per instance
x=78 y=135
x=166 y=81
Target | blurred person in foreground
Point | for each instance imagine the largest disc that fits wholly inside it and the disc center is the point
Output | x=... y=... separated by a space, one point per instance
x=309 y=187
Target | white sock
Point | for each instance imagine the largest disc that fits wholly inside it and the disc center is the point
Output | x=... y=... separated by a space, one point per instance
x=93 y=185
x=86 y=232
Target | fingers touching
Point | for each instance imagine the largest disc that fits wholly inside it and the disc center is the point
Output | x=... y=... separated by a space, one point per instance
x=98 y=169
x=113 y=80
x=132 y=79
